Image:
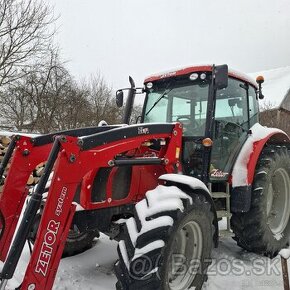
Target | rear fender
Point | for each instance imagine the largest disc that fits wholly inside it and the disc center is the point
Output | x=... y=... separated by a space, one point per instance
x=244 y=168
x=192 y=186
x=278 y=138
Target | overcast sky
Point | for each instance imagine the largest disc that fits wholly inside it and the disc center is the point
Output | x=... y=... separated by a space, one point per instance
x=140 y=37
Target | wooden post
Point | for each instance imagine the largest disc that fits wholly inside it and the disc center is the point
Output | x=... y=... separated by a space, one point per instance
x=285 y=273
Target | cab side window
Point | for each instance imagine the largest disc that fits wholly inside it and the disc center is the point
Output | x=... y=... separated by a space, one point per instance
x=231 y=103
x=253 y=106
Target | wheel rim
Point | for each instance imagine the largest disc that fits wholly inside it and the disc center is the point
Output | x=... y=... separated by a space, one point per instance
x=278 y=201
x=186 y=256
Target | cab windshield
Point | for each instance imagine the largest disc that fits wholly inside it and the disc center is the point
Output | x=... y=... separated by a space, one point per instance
x=180 y=100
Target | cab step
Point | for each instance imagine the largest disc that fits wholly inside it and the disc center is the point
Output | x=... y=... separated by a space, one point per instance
x=223 y=213
x=220 y=195
x=226 y=234
x=226 y=213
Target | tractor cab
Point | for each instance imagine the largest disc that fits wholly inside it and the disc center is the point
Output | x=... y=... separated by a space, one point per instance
x=216 y=107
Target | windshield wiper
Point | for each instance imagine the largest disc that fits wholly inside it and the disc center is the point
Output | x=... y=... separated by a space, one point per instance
x=158 y=100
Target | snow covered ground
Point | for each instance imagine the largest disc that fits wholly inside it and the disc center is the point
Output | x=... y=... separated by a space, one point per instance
x=92 y=269
x=237 y=269
x=233 y=268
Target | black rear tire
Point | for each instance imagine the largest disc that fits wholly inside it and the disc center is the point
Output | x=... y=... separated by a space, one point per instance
x=168 y=224
x=78 y=242
x=265 y=228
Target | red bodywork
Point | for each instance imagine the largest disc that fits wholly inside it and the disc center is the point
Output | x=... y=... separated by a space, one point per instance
x=59 y=207
x=200 y=68
x=14 y=191
x=277 y=136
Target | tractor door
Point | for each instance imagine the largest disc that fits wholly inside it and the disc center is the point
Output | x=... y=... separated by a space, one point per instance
x=236 y=111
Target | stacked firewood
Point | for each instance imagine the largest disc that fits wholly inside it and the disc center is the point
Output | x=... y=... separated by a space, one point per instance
x=34 y=176
x=4 y=143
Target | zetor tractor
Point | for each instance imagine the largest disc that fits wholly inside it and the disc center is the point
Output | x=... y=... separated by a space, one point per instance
x=158 y=187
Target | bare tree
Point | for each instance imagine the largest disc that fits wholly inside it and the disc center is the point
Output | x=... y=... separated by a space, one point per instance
x=75 y=110
x=268 y=114
x=25 y=34
x=37 y=93
x=48 y=99
x=136 y=114
x=101 y=100
x=32 y=102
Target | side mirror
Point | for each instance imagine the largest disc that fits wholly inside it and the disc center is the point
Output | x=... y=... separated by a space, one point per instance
x=119 y=98
x=220 y=74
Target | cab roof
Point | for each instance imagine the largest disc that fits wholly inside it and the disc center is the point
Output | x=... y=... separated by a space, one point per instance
x=197 y=68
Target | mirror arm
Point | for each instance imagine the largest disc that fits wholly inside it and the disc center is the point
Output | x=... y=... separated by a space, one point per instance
x=260 y=94
x=260 y=80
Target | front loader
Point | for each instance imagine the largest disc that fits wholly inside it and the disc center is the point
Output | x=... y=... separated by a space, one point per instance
x=158 y=187
x=73 y=159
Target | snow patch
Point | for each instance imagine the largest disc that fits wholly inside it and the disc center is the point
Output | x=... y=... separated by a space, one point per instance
x=192 y=182
x=120 y=221
x=162 y=193
x=78 y=206
x=240 y=170
x=148 y=248
x=132 y=229
x=9 y=134
x=151 y=272
x=162 y=198
x=124 y=254
x=141 y=208
x=285 y=253
x=102 y=123
x=278 y=237
x=258 y=188
x=159 y=222
x=200 y=67
x=170 y=204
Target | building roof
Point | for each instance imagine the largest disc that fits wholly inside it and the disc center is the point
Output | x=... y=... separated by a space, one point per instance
x=276 y=88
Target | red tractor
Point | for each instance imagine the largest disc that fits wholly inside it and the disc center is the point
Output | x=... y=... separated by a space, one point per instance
x=159 y=187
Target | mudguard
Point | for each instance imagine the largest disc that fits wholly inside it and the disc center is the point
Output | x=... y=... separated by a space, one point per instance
x=245 y=165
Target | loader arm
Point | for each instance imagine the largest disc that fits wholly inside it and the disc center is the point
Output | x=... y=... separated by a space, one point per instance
x=24 y=154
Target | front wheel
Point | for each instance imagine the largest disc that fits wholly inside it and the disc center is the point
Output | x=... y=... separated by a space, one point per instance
x=167 y=244
x=77 y=241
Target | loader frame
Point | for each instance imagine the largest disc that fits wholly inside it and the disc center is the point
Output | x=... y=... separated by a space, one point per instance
x=72 y=159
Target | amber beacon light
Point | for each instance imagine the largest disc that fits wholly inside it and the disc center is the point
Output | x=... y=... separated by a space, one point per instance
x=207 y=142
